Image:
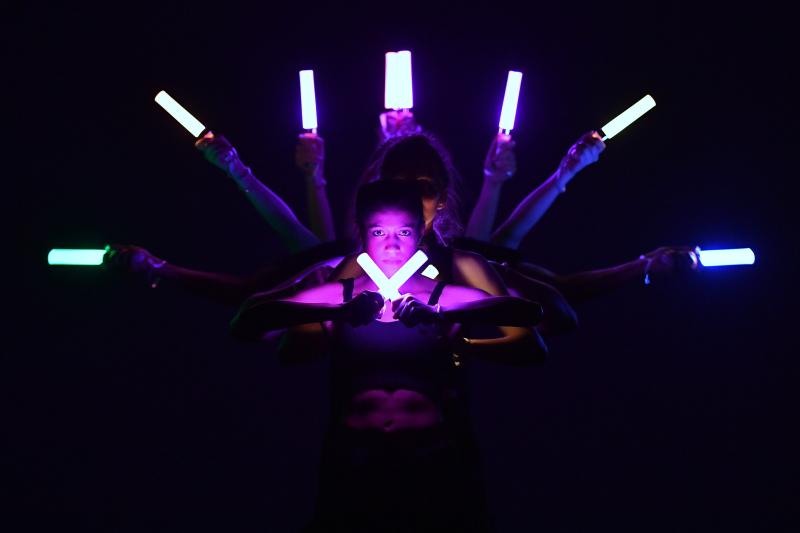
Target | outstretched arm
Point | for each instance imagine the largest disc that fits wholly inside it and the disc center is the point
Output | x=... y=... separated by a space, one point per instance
x=221 y=288
x=580 y=286
x=584 y=152
x=262 y=312
x=278 y=215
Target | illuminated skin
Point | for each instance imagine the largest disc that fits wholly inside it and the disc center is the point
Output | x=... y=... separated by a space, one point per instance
x=295 y=235
x=500 y=165
x=390 y=236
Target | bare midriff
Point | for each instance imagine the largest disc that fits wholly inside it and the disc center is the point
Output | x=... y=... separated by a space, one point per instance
x=391 y=410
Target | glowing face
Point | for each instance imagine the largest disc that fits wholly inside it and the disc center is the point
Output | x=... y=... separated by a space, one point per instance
x=391 y=237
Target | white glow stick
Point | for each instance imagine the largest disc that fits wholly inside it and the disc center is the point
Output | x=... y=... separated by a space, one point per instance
x=180 y=114
x=377 y=276
x=628 y=117
x=386 y=286
x=398 y=87
x=406 y=271
x=430 y=272
x=509 y=112
x=733 y=256
x=308 y=100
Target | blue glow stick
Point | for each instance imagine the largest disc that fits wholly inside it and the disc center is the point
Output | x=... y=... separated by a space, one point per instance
x=725 y=257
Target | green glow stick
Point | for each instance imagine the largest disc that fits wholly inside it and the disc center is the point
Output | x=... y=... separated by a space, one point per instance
x=76 y=256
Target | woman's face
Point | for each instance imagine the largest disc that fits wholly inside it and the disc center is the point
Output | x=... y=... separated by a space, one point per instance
x=391 y=237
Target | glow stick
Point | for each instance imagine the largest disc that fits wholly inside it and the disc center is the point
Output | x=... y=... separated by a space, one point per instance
x=377 y=276
x=733 y=256
x=406 y=271
x=398 y=88
x=430 y=272
x=308 y=100
x=388 y=287
x=509 y=112
x=627 y=117
x=180 y=114
x=76 y=256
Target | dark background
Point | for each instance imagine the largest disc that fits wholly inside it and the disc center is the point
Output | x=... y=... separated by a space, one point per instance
x=130 y=409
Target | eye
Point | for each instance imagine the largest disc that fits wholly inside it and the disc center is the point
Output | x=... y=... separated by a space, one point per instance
x=377 y=233
x=404 y=232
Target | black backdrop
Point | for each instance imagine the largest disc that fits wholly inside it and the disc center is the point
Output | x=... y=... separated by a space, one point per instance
x=130 y=409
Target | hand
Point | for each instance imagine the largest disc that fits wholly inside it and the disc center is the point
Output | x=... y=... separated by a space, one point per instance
x=363 y=308
x=410 y=311
x=500 y=163
x=221 y=154
x=394 y=123
x=130 y=258
x=668 y=260
x=309 y=154
x=585 y=151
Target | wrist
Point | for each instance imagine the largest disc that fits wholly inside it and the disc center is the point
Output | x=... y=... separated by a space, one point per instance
x=315 y=177
x=560 y=179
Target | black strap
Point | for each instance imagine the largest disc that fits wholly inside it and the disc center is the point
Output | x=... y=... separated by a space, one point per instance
x=347 y=288
x=436 y=293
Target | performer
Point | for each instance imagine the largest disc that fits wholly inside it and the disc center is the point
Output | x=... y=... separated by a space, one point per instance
x=398 y=455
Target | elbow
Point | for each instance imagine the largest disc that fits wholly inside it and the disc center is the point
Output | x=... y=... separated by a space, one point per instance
x=529 y=350
x=506 y=237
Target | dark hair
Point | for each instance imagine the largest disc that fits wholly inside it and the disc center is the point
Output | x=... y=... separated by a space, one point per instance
x=408 y=157
x=384 y=194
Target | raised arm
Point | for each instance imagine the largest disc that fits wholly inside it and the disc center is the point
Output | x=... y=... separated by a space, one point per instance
x=584 y=152
x=499 y=166
x=310 y=159
x=278 y=215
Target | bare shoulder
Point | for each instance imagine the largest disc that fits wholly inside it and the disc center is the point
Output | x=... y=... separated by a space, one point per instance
x=347 y=268
x=474 y=270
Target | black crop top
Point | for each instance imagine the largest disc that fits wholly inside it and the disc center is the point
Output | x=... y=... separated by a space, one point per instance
x=389 y=356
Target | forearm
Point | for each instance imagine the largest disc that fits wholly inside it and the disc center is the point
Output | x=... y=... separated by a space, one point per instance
x=274 y=210
x=483 y=215
x=530 y=210
x=495 y=311
x=584 y=285
x=517 y=346
x=221 y=288
x=260 y=314
x=319 y=209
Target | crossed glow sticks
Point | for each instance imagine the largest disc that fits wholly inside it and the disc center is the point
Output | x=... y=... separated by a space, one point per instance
x=388 y=287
